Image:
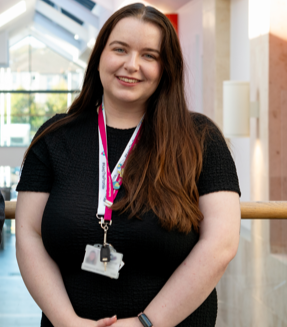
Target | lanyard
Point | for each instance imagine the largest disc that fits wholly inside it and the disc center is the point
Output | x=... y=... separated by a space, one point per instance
x=110 y=183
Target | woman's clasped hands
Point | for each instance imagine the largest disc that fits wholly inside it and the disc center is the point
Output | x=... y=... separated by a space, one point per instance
x=128 y=322
x=81 y=322
x=114 y=322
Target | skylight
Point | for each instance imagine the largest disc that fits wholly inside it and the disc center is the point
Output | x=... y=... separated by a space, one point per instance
x=86 y=3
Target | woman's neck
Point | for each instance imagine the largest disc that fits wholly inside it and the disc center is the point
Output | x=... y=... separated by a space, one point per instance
x=122 y=115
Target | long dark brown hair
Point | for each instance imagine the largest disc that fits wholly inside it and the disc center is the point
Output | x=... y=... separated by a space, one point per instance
x=162 y=171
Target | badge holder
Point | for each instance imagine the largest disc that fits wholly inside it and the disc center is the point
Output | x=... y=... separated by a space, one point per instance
x=92 y=262
x=103 y=259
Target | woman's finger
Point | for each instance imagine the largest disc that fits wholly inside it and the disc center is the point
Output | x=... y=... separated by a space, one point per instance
x=106 y=322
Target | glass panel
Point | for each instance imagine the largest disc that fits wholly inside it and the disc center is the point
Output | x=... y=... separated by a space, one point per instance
x=22 y=114
x=34 y=66
x=44 y=106
x=9 y=178
x=253 y=290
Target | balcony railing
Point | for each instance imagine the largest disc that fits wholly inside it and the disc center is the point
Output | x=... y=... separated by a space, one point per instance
x=249 y=210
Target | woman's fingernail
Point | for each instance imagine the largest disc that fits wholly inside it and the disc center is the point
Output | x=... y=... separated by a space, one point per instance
x=115 y=316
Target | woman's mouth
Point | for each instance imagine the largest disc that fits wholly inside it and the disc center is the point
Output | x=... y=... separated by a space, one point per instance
x=128 y=80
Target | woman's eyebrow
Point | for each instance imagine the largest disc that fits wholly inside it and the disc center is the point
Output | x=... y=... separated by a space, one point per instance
x=126 y=45
x=120 y=42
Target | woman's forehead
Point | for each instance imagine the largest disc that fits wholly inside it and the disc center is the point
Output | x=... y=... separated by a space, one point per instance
x=136 y=32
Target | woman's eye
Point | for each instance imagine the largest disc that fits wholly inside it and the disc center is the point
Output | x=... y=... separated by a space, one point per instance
x=120 y=50
x=150 y=56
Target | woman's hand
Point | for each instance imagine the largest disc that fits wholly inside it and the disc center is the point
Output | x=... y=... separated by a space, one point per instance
x=80 y=322
x=129 y=322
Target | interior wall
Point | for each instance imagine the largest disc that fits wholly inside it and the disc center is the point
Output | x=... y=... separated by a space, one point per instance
x=239 y=41
x=240 y=71
x=259 y=28
x=190 y=35
x=278 y=119
x=216 y=56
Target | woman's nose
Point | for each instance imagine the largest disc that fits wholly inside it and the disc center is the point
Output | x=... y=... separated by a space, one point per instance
x=132 y=64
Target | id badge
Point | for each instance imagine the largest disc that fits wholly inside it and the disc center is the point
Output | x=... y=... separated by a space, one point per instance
x=93 y=263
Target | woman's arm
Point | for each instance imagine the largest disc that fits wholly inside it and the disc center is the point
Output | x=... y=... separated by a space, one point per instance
x=40 y=273
x=196 y=277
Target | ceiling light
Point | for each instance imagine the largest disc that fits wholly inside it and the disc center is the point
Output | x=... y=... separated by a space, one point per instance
x=12 y=12
x=91 y=43
x=76 y=37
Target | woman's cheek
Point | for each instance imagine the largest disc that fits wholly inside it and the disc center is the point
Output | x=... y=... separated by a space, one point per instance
x=153 y=73
x=112 y=63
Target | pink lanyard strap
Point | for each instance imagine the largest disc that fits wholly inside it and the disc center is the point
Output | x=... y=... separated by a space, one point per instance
x=111 y=193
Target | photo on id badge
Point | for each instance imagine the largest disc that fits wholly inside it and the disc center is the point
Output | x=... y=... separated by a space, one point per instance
x=91 y=257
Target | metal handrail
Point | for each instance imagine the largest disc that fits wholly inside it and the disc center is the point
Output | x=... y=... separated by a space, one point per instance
x=249 y=210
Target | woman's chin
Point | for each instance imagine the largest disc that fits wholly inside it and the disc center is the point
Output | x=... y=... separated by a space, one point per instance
x=128 y=99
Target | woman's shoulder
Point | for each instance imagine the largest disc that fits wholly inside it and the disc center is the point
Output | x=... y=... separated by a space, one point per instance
x=50 y=121
x=202 y=122
x=218 y=168
x=206 y=129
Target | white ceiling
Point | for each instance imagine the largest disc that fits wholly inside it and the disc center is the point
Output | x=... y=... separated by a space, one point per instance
x=57 y=30
x=4 y=5
x=168 y=6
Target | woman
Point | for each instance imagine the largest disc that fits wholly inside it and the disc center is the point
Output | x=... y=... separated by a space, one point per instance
x=176 y=218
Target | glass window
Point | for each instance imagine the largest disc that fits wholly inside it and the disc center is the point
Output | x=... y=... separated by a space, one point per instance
x=34 y=67
x=9 y=178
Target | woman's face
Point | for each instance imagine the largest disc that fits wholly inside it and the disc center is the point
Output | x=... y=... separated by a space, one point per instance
x=130 y=67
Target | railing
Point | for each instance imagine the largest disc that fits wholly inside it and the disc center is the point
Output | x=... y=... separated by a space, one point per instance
x=249 y=210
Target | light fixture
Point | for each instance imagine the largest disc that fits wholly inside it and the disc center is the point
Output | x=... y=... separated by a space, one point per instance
x=76 y=37
x=91 y=43
x=237 y=109
x=12 y=12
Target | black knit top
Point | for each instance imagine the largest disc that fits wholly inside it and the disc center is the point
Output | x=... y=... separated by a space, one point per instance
x=65 y=164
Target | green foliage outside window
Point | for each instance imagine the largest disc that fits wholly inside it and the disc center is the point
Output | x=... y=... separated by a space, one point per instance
x=25 y=109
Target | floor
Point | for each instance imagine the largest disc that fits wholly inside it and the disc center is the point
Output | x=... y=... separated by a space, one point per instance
x=17 y=308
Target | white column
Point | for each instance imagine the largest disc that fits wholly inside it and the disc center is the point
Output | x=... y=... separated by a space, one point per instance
x=7 y=174
x=1 y=176
x=8 y=106
x=69 y=99
x=2 y=108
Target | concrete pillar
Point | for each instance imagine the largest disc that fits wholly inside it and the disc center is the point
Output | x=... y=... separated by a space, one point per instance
x=216 y=56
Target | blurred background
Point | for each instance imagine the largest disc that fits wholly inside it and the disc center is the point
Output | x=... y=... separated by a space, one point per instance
x=236 y=73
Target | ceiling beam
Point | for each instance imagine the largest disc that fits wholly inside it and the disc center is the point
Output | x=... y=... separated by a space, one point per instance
x=54 y=44
x=49 y=43
x=57 y=30
x=48 y=39
x=79 y=11
x=108 y=4
x=62 y=20
x=102 y=13
x=18 y=36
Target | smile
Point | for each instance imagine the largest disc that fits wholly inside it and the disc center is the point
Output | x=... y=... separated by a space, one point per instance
x=128 y=80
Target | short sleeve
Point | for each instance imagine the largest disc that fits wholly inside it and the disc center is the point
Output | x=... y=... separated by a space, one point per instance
x=218 y=168
x=37 y=173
